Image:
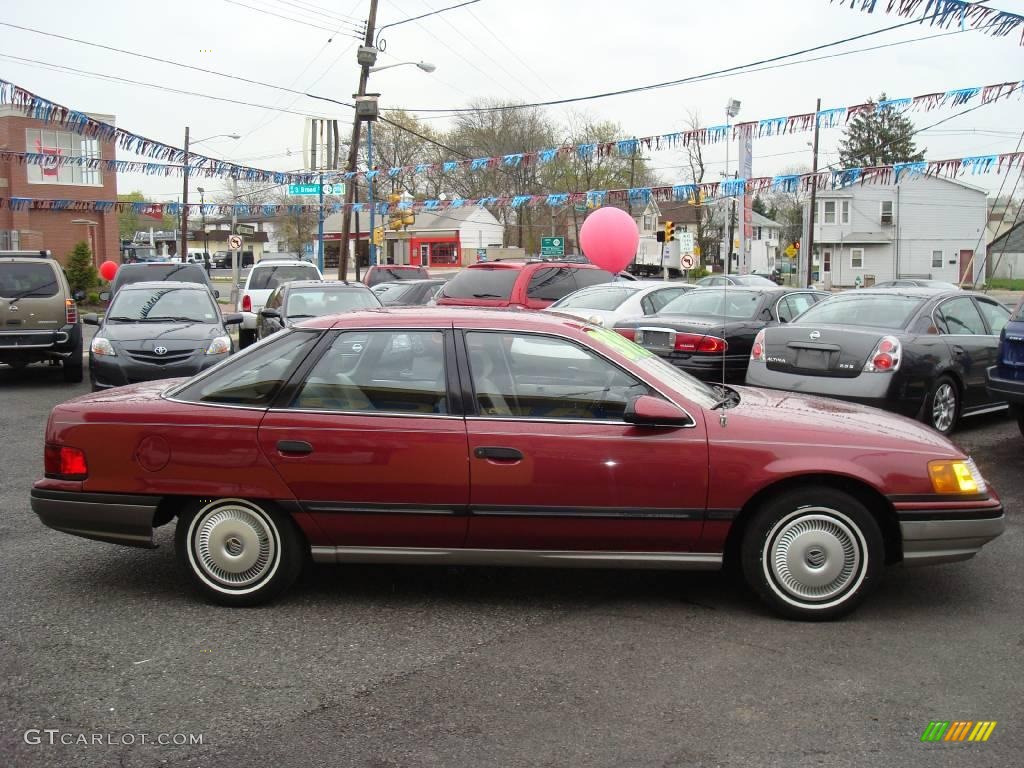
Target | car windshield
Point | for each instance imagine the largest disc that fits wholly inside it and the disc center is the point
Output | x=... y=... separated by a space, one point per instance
x=381 y=274
x=481 y=283
x=26 y=280
x=715 y=302
x=325 y=300
x=595 y=298
x=142 y=305
x=863 y=309
x=140 y=273
x=690 y=387
x=270 y=276
x=1018 y=313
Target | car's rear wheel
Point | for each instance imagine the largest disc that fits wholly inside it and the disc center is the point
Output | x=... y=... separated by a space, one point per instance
x=239 y=552
x=812 y=553
x=1020 y=422
x=72 y=365
x=942 y=409
x=246 y=338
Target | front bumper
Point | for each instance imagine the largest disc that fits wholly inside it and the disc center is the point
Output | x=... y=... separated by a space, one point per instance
x=112 y=517
x=938 y=536
x=1008 y=390
x=106 y=372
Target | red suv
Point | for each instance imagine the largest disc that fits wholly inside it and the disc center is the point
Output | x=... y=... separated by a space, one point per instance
x=524 y=284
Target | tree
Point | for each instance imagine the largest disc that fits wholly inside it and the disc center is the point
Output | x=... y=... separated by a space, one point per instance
x=129 y=222
x=711 y=219
x=297 y=229
x=80 y=269
x=878 y=138
x=787 y=208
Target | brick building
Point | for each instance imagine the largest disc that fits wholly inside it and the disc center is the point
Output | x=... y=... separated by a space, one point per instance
x=57 y=231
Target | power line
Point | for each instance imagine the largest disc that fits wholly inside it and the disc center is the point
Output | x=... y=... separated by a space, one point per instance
x=424 y=15
x=680 y=81
x=317 y=11
x=353 y=28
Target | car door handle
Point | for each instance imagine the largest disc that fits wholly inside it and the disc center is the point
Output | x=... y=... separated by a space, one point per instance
x=498 y=454
x=294 y=447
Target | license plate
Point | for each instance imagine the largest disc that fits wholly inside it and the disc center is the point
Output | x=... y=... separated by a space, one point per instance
x=812 y=359
x=657 y=339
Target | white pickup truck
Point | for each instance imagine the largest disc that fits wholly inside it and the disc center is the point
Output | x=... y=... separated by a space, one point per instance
x=263 y=278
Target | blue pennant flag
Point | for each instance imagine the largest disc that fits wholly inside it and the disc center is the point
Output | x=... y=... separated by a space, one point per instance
x=584 y=151
x=960 y=96
x=431 y=205
x=450 y=165
x=546 y=155
x=422 y=167
x=520 y=200
x=512 y=160
x=557 y=199
x=830 y=118
x=978 y=163
x=717 y=133
x=785 y=183
x=596 y=198
x=405 y=205
x=357 y=207
x=371 y=175
x=458 y=202
x=732 y=187
x=627 y=146
x=640 y=193
x=910 y=169
x=480 y=162
x=684 y=191
x=392 y=172
x=842 y=178
x=771 y=127
x=895 y=104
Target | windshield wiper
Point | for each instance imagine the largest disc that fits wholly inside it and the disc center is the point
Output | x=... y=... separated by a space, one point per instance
x=487 y=296
x=24 y=294
x=292 y=317
x=119 y=319
x=729 y=397
x=170 y=320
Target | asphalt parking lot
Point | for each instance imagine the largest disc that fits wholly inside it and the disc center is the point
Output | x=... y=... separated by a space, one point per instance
x=386 y=666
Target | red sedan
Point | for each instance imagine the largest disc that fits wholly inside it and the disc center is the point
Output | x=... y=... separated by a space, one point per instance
x=504 y=438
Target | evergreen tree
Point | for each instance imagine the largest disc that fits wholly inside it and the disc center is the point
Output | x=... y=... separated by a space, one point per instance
x=80 y=271
x=878 y=138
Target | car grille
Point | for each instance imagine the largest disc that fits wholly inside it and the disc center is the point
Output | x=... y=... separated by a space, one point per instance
x=1011 y=362
x=169 y=358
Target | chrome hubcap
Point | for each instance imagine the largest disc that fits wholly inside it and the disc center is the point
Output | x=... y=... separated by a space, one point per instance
x=234 y=545
x=813 y=556
x=943 y=407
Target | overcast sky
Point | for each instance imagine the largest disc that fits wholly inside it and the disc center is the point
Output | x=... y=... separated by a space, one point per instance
x=531 y=50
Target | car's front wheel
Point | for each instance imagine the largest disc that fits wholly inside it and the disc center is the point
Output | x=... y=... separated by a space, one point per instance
x=812 y=553
x=239 y=552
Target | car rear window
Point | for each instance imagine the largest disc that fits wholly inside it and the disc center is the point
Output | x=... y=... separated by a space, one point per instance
x=26 y=280
x=588 y=277
x=481 y=283
x=595 y=298
x=139 y=273
x=315 y=302
x=738 y=304
x=865 y=309
x=269 y=277
x=386 y=274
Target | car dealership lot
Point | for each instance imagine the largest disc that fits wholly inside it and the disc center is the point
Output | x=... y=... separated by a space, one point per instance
x=382 y=665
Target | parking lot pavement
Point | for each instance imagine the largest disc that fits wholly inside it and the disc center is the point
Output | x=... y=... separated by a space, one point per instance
x=387 y=666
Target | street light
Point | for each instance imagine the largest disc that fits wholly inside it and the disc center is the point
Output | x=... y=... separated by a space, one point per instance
x=426 y=66
x=184 y=188
x=206 y=235
x=91 y=234
x=732 y=108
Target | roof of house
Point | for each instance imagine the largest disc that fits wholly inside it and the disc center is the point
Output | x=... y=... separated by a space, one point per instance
x=1011 y=241
x=763 y=221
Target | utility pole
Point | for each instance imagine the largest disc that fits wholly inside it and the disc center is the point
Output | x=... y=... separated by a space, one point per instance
x=353 y=148
x=183 y=251
x=320 y=228
x=369 y=199
x=814 y=191
x=732 y=228
x=236 y=256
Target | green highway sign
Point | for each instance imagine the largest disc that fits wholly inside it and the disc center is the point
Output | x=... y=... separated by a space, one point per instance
x=314 y=189
x=552 y=246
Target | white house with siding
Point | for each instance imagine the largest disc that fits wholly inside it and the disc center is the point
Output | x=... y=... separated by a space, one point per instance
x=925 y=227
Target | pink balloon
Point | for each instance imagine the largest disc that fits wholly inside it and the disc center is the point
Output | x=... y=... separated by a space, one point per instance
x=108 y=269
x=609 y=238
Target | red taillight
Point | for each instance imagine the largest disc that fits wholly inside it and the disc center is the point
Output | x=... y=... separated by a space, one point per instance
x=882 y=362
x=64 y=462
x=70 y=311
x=885 y=357
x=629 y=333
x=696 y=342
x=246 y=303
x=757 y=351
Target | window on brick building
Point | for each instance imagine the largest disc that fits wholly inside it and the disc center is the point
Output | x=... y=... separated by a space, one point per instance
x=65 y=148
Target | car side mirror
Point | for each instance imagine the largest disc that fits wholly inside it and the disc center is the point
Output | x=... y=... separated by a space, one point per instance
x=216 y=294
x=91 y=319
x=270 y=313
x=650 y=411
x=105 y=296
x=233 y=318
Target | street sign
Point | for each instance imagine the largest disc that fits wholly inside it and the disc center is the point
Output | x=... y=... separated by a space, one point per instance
x=235 y=242
x=245 y=229
x=790 y=251
x=687 y=261
x=552 y=246
x=314 y=189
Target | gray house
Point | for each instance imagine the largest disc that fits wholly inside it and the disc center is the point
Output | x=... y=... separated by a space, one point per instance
x=1006 y=254
x=924 y=227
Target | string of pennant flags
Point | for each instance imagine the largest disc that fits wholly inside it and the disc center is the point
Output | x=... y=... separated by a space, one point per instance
x=947 y=13
x=201 y=166
x=694 y=193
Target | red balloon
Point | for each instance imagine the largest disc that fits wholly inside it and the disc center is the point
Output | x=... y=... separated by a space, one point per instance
x=108 y=269
x=609 y=238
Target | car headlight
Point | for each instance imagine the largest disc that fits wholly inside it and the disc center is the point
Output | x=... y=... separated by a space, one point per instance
x=102 y=347
x=219 y=346
x=956 y=476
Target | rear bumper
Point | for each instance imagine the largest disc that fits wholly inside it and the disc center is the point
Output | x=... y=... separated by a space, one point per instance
x=112 y=517
x=40 y=344
x=1008 y=390
x=946 y=536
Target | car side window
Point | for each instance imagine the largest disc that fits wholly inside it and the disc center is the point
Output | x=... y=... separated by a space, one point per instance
x=996 y=315
x=551 y=284
x=653 y=302
x=784 y=310
x=378 y=372
x=959 y=317
x=252 y=378
x=541 y=377
x=795 y=304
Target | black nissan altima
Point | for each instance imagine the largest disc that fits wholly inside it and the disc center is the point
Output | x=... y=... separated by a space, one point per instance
x=157 y=330
x=708 y=332
x=916 y=351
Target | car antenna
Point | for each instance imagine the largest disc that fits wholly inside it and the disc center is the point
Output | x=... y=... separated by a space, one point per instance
x=723 y=420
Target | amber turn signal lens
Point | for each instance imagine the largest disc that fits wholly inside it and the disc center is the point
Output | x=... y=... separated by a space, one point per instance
x=952 y=477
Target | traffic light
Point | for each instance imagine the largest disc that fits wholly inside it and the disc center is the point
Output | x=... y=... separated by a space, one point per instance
x=378 y=236
x=670 y=232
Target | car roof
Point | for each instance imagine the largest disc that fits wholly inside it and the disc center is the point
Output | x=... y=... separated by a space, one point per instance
x=292 y=284
x=397 y=266
x=523 y=263
x=417 y=281
x=441 y=317
x=164 y=284
x=917 y=292
x=282 y=263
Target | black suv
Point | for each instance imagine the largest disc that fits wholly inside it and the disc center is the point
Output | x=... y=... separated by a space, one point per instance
x=38 y=315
